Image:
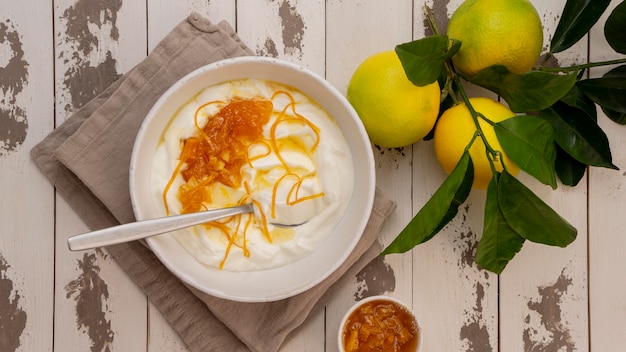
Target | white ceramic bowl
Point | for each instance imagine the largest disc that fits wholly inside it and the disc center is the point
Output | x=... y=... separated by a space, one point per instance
x=287 y=280
x=362 y=302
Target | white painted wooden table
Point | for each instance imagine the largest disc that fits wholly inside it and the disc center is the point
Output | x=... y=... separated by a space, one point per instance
x=56 y=55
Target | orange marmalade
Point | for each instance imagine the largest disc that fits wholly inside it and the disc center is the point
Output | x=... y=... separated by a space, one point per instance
x=381 y=326
x=219 y=151
x=260 y=142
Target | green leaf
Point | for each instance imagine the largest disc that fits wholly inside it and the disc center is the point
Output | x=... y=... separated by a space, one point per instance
x=614 y=28
x=531 y=217
x=577 y=99
x=531 y=91
x=617 y=72
x=577 y=18
x=424 y=59
x=616 y=116
x=529 y=142
x=569 y=170
x=499 y=242
x=439 y=210
x=608 y=92
x=579 y=135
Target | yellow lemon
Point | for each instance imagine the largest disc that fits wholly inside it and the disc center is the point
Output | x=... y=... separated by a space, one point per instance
x=394 y=111
x=496 y=32
x=454 y=131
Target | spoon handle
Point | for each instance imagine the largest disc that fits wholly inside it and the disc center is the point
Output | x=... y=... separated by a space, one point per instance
x=142 y=229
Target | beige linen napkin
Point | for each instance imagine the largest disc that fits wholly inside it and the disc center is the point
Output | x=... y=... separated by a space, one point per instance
x=87 y=159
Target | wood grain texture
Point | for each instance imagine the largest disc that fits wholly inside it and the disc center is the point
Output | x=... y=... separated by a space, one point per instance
x=162 y=17
x=543 y=291
x=455 y=300
x=356 y=30
x=27 y=200
x=289 y=30
x=61 y=53
x=607 y=240
x=97 y=307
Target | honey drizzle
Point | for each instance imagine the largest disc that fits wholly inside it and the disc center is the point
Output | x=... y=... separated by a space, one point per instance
x=282 y=117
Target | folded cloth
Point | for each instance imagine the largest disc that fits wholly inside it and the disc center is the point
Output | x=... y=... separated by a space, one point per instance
x=87 y=159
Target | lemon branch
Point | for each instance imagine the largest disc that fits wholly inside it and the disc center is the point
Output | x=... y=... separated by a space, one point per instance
x=453 y=79
x=513 y=213
x=574 y=68
x=448 y=89
x=428 y=13
x=491 y=153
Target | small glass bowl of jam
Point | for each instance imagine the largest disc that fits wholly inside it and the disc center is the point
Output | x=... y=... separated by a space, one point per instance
x=379 y=323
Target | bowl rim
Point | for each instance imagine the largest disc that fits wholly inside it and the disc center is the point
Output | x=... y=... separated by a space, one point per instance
x=395 y=300
x=320 y=83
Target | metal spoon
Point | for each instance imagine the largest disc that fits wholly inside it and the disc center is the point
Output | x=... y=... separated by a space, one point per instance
x=147 y=228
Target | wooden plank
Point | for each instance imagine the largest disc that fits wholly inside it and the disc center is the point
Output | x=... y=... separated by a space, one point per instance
x=27 y=205
x=607 y=243
x=161 y=336
x=97 y=305
x=163 y=16
x=356 y=30
x=455 y=300
x=543 y=291
x=288 y=30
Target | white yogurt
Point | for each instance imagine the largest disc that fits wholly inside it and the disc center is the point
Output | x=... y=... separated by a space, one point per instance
x=329 y=170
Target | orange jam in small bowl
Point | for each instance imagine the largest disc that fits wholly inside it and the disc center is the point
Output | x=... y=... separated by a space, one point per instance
x=379 y=323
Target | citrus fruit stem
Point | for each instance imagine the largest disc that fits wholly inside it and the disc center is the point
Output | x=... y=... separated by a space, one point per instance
x=491 y=153
x=448 y=91
x=582 y=66
x=454 y=80
x=430 y=17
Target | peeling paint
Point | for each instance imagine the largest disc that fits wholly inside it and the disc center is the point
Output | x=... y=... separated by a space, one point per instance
x=12 y=317
x=13 y=77
x=556 y=336
x=293 y=29
x=389 y=158
x=549 y=20
x=474 y=332
x=91 y=293
x=465 y=241
x=268 y=49
x=440 y=12
x=399 y=150
x=91 y=67
x=375 y=279
x=469 y=250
